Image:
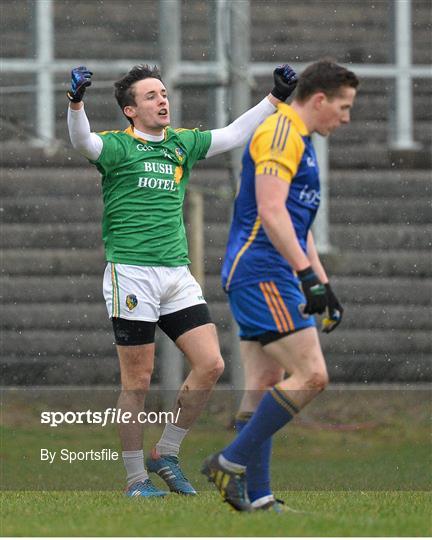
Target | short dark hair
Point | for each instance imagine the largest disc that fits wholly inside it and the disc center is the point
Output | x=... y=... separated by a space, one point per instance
x=124 y=91
x=324 y=76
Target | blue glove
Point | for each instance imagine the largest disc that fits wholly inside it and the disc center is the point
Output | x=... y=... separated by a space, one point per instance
x=334 y=314
x=80 y=79
x=285 y=79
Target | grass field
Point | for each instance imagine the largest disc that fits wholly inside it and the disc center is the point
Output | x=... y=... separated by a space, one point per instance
x=368 y=477
x=329 y=513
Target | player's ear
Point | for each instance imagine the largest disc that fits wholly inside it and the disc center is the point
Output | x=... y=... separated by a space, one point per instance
x=318 y=100
x=129 y=111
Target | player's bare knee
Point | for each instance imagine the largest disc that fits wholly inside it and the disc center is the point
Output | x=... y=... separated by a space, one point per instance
x=213 y=368
x=218 y=367
x=265 y=381
x=136 y=380
x=143 y=381
x=271 y=378
x=317 y=380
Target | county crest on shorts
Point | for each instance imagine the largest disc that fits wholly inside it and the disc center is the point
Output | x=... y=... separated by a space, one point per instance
x=131 y=301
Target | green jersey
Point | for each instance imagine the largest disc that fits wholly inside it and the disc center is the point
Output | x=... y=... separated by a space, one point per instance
x=143 y=186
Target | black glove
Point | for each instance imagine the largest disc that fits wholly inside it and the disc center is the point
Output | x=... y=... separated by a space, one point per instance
x=314 y=291
x=80 y=79
x=334 y=314
x=285 y=79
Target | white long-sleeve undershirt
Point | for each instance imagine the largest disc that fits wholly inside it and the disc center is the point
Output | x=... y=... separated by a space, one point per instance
x=235 y=134
x=239 y=131
x=87 y=143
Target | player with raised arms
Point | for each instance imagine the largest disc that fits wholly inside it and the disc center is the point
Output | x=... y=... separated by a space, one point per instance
x=145 y=172
x=276 y=282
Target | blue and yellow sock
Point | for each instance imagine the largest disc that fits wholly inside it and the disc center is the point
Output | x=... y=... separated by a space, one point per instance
x=274 y=411
x=258 y=466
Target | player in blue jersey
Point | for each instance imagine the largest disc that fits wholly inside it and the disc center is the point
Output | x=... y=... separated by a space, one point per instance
x=276 y=282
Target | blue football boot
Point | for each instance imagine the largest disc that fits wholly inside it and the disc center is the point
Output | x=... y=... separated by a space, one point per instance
x=144 y=488
x=168 y=468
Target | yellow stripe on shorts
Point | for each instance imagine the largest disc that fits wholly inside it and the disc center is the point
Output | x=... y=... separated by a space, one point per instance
x=282 y=305
x=274 y=308
x=115 y=292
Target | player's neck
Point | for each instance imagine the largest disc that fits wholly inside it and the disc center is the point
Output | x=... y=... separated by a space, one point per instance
x=149 y=136
x=305 y=114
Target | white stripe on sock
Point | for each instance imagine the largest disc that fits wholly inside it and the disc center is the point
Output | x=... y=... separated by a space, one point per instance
x=262 y=501
x=231 y=466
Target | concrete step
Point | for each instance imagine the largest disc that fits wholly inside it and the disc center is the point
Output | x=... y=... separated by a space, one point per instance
x=55 y=262
x=396 y=291
x=47 y=342
x=377 y=106
x=60 y=154
x=375 y=263
x=78 y=288
x=356 y=316
x=51 y=209
x=373 y=155
x=208 y=174
x=380 y=367
x=348 y=210
x=80 y=235
x=372 y=184
x=59 y=370
x=360 y=290
x=67 y=370
x=380 y=237
x=57 y=235
x=70 y=288
x=365 y=154
x=346 y=236
x=99 y=343
x=74 y=181
x=82 y=316
x=50 y=181
x=83 y=209
x=415 y=209
x=86 y=316
x=355 y=263
x=377 y=341
x=389 y=210
x=354 y=132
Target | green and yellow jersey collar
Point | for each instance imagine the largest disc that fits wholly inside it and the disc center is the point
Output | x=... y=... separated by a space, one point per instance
x=130 y=131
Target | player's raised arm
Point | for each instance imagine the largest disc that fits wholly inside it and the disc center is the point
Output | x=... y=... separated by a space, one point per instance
x=238 y=132
x=87 y=143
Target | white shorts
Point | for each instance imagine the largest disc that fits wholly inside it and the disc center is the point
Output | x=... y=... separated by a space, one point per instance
x=144 y=293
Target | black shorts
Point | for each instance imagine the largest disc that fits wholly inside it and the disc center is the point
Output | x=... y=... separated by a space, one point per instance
x=128 y=332
x=268 y=337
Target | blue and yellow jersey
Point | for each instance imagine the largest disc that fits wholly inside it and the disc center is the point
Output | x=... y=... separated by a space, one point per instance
x=282 y=147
